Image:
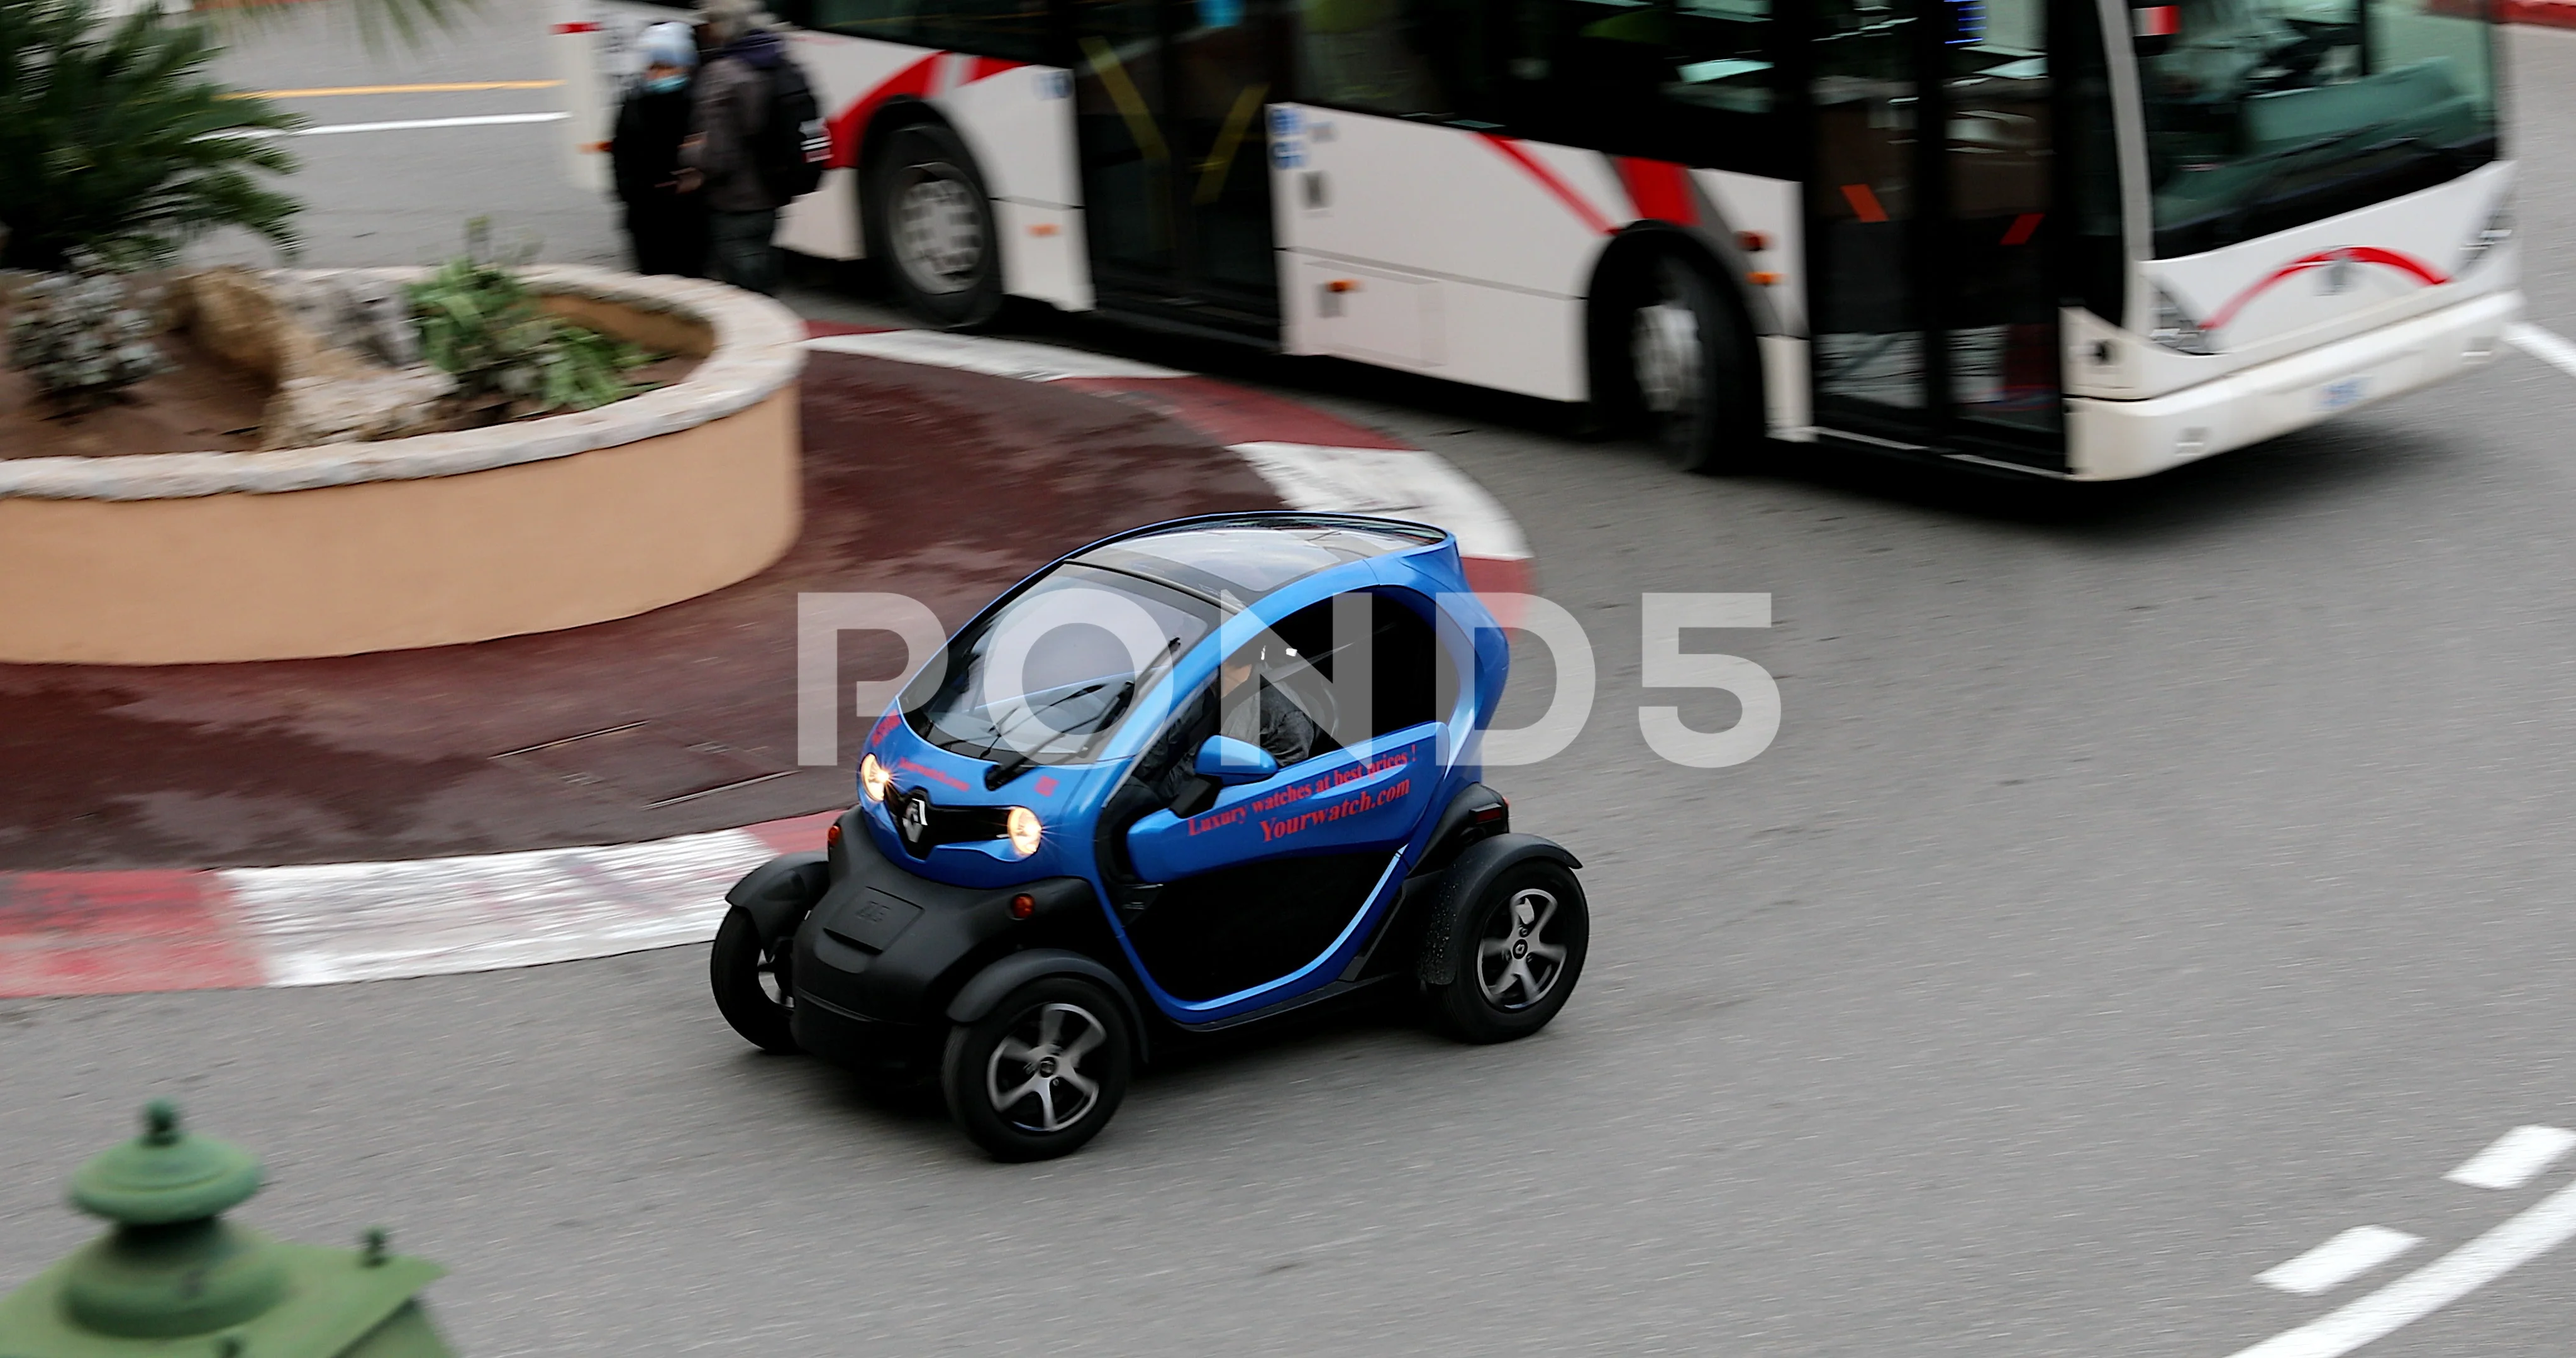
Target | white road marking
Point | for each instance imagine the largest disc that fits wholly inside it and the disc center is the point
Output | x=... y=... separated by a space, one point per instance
x=405 y=125
x=2339 y=1260
x=1401 y=483
x=2537 y=1230
x=2514 y=1158
x=334 y=922
x=2550 y=348
x=1019 y=359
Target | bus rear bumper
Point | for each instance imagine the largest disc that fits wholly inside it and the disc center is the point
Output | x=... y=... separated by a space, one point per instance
x=2115 y=440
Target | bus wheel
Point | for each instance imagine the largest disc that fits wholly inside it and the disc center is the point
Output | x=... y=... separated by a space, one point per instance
x=930 y=219
x=1687 y=363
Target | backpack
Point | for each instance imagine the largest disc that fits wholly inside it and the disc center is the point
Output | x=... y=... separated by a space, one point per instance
x=793 y=144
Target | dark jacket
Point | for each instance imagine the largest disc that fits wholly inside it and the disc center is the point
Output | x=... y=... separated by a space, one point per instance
x=732 y=109
x=645 y=148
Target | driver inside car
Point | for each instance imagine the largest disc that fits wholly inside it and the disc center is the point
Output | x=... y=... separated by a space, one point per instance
x=1271 y=719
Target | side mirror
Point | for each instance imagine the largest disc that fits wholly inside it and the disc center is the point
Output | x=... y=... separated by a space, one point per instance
x=1229 y=762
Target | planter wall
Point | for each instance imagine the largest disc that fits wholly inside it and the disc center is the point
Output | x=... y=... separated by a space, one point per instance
x=427 y=541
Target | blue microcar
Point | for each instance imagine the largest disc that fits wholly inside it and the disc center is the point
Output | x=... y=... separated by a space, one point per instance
x=1186 y=778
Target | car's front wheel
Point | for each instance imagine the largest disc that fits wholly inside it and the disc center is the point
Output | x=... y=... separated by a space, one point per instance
x=754 y=989
x=1043 y=1072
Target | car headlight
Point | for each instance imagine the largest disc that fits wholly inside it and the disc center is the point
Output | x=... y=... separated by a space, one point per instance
x=1021 y=826
x=874 y=779
x=2176 y=330
x=2498 y=230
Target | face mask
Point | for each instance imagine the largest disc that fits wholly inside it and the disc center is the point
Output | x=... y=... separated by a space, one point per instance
x=666 y=84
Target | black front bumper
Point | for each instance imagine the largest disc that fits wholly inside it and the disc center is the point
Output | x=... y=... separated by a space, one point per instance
x=881 y=954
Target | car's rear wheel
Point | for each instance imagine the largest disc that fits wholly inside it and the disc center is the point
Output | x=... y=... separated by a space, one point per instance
x=1043 y=1072
x=1520 y=948
x=755 y=990
x=931 y=221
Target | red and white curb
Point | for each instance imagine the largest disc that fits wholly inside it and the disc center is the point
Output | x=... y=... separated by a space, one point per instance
x=125 y=932
x=112 y=933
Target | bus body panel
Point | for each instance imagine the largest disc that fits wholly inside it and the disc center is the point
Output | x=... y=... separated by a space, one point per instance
x=1770 y=210
x=2267 y=298
x=2113 y=440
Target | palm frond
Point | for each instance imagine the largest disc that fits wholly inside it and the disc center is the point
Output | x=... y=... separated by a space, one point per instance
x=113 y=138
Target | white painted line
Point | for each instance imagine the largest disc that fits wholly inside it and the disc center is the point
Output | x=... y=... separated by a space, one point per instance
x=2514 y=1158
x=2552 y=349
x=405 y=125
x=2339 y=1260
x=1399 y=483
x=2537 y=1230
x=1019 y=359
x=335 y=922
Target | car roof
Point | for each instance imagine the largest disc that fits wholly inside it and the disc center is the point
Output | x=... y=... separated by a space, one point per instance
x=1243 y=557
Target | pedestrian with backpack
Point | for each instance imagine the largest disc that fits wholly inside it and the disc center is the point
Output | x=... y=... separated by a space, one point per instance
x=757 y=140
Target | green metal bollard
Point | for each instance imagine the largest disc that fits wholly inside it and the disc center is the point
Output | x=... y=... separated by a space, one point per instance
x=175 y=1280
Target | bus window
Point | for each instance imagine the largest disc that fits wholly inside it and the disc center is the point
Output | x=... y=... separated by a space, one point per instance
x=1416 y=58
x=1722 y=55
x=1663 y=79
x=2262 y=114
x=1012 y=29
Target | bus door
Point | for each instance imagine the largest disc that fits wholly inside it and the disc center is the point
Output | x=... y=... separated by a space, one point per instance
x=1168 y=98
x=1933 y=299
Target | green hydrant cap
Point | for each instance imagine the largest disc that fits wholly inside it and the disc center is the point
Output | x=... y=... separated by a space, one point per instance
x=165 y=1175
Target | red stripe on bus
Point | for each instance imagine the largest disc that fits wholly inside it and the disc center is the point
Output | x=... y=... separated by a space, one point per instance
x=1659 y=188
x=2023 y=228
x=913 y=81
x=1547 y=179
x=988 y=67
x=1864 y=204
x=576 y=28
x=2351 y=254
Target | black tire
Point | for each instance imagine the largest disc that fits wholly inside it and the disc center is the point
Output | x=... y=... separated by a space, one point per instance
x=1514 y=970
x=1684 y=366
x=930 y=221
x=1069 y=1033
x=754 y=987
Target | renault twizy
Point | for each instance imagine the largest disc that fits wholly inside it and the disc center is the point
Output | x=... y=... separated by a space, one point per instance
x=1186 y=778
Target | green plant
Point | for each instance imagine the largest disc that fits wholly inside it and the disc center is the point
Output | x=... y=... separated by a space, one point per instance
x=481 y=325
x=113 y=139
x=79 y=338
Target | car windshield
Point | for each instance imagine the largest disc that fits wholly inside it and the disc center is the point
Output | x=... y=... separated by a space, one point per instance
x=2264 y=114
x=1051 y=675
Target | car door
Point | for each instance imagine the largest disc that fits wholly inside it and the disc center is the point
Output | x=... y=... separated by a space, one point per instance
x=1265 y=881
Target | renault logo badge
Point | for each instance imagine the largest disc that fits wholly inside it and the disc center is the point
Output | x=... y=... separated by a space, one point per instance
x=915 y=821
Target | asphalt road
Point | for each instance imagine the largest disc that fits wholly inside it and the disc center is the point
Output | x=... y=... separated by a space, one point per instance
x=2145 y=887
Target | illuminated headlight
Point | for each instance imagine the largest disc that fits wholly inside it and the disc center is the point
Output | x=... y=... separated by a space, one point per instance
x=2498 y=230
x=2176 y=330
x=1022 y=828
x=874 y=780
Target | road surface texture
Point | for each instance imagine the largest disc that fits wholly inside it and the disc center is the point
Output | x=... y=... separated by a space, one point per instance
x=2145 y=889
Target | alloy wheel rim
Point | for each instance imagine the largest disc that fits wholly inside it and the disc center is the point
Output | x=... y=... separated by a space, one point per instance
x=1518 y=962
x=771 y=975
x=1035 y=1077
x=938 y=234
x=1665 y=348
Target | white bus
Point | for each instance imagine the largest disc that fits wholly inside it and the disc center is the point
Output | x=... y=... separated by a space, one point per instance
x=2143 y=231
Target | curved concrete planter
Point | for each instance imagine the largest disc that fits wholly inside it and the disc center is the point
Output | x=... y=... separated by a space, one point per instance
x=180 y=558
